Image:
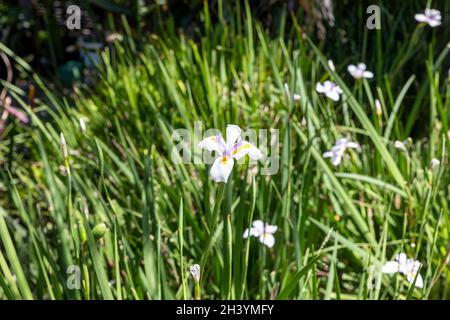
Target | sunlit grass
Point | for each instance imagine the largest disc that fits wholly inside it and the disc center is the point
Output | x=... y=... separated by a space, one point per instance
x=336 y=225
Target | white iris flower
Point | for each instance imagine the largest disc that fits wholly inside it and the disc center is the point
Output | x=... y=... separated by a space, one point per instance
x=359 y=71
x=233 y=148
x=431 y=17
x=329 y=89
x=195 y=271
x=263 y=231
x=400 y=145
x=407 y=267
x=435 y=163
x=337 y=152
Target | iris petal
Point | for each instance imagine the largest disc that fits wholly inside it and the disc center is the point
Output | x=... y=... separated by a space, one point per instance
x=233 y=133
x=221 y=169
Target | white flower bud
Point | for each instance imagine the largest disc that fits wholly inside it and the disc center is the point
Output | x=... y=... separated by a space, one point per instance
x=82 y=125
x=435 y=163
x=63 y=145
x=195 y=271
x=400 y=145
x=378 y=109
x=331 y=65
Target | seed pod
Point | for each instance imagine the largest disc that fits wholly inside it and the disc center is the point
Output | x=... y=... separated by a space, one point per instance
x=99 y=231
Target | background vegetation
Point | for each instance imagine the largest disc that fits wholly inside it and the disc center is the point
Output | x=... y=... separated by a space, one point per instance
x=223 y=63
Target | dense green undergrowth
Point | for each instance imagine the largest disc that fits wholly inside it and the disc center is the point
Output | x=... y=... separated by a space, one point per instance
x=337 y=226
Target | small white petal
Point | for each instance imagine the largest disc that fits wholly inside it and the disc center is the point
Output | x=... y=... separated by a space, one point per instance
x=252 y=232
x=401 y=258
x=296 y=97
x=420 y=17
x=320 y=88
x=233 y=133
x=270 y=229
x=221 y=169
x=352 y=68
x=333 y=95
x=434 y=23
x=416 y=266
x=328 y=154
x=267 y=239
x=354 y=71
x=353 y=145
x=432 y=13
x=336 y=160
x=419 y=281
x=213 y=143
x=242 y=148
x=391 y=267
x=367 y=74
x=258 y=226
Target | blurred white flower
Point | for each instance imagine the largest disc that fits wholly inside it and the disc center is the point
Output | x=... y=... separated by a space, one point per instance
x=435 y=163
x=331 y=65
x=359 y=71
x=114 y=36
x=400 y=145
x=263 y=231
x=286 y=89
x=233 y=148
x=82 y=125
x=63 y=144
x=378 y=109
x=337 y=152
x=431 y=17
x=407 y=267
x=303 y=122
x=195 y=271
x=62 y=139
x=329 y=89
x=295 y=96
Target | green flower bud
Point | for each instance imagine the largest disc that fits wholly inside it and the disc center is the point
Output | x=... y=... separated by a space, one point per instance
x=99 y=231
x=82 y=232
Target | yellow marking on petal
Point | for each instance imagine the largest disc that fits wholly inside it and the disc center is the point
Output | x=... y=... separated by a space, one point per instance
x=224 y=160
x=245 y=146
